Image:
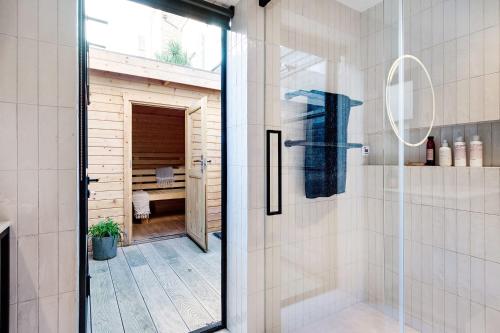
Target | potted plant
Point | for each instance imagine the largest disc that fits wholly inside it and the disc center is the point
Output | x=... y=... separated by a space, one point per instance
x=105 y=235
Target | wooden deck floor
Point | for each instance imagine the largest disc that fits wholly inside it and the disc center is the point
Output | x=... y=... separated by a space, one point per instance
x=164 y=286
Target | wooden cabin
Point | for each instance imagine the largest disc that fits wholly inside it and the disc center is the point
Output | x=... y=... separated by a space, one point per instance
x=137 y=123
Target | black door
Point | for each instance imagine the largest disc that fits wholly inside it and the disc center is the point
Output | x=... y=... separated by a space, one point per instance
x=84 y=278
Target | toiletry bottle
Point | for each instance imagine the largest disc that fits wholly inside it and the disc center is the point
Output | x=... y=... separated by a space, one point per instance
x=460 y=154
x=476 y=152
x=431 y=151
x=445 y=154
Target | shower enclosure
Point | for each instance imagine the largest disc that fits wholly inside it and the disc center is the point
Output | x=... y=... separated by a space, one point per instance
x=384 y=243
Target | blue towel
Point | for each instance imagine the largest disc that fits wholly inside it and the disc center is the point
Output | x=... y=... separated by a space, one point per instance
x=326 y=133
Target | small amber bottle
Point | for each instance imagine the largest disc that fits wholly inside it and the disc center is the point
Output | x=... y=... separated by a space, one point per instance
x=431 y=151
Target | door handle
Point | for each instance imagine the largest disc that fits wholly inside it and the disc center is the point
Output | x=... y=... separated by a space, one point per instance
x=89 y=192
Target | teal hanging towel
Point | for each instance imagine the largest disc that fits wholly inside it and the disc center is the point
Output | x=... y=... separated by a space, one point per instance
x=325 y=160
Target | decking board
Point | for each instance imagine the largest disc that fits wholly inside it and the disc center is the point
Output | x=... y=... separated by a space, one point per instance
x=207 y=264
x=155 y=287
x=105 y=312
x=191 y=310
x=134 y=312
x=163 y=312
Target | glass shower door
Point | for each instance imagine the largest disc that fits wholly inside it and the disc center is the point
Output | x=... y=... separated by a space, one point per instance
x=327 y=260
x=376 y=233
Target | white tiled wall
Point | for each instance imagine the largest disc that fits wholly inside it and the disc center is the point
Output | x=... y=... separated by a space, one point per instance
x=459 y=43
x=245 y=218
x=452 y=232
x=38 y=149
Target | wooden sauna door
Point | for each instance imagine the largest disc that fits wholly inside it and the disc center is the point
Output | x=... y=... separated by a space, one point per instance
x=196 y=174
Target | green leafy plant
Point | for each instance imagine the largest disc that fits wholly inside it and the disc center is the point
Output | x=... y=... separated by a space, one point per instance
x=105 y=228
x=174 y=54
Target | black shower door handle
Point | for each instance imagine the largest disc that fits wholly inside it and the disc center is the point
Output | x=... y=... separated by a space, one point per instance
x=273 y=172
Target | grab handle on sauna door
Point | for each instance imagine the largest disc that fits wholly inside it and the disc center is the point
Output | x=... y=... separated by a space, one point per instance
x=390 y=76
x=273 y=172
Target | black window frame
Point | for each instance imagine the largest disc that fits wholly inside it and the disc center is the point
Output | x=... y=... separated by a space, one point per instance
x=196 y=9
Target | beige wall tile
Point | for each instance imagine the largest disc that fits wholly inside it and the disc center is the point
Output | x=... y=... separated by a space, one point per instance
x=450 y=187
x=67 y=76
x=477 y=234
x=67 y=261
x=67 y=200
x=492 y=318
x=13 y=318
x=477 y=49
x=47 y=137
x=477 y=317
x=67 y=142
x=492 y=191
x=450 y=229
x=463 y=232
x=463 y=275
x=463 y=188
x=48 y=312
x=492 y=97
x=47 y=20
x=67 y=34
x=8 y=68
x=27 y=137
x=27 y=72
x=8 y=136
x=477 y=189
x=463 y=58
x=48 y=211
x=491 y=13
x=27 y=317
x=36 y=71
x=27 y=265
x=492 y=287
x=462 y=17
x=48 y=262
x=476 y=99
x=477 y=280
x=47 y=75
x=27 y=212
x=28 y=18
x=68 y=319
x=8 y=17
x=492 y=237
x=463 y=102
x=463 y=314
x=491 y=50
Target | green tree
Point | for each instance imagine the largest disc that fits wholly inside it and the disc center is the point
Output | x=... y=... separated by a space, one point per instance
x=174 y=54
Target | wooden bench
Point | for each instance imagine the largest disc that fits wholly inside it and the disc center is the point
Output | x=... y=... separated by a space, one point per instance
x=144 y=175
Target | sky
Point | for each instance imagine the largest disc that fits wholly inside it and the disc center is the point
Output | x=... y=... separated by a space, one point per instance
x=131 y=28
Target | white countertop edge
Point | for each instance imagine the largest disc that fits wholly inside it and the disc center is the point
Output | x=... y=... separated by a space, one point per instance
x=4 y=225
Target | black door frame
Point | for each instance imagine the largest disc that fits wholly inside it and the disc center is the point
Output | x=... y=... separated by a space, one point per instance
x=199 y=10
x=83 y=97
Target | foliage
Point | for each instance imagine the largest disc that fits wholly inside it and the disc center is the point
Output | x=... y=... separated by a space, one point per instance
x=174 y=54
x=105 y=228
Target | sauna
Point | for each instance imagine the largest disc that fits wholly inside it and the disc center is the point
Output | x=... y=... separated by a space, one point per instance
x=138 y=115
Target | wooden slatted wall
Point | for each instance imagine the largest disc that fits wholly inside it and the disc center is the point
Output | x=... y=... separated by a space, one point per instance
x=106 y=127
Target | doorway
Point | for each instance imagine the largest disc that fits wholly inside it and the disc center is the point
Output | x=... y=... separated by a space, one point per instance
x=132 y=128
x=158 y=142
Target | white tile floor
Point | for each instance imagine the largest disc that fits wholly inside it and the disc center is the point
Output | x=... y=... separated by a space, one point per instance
x=359 y=318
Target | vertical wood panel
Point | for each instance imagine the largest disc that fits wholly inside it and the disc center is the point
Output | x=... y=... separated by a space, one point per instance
x=110 y=95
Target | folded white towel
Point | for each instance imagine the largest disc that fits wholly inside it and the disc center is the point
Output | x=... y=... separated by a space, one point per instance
x=165 y=176
x=140 y=199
